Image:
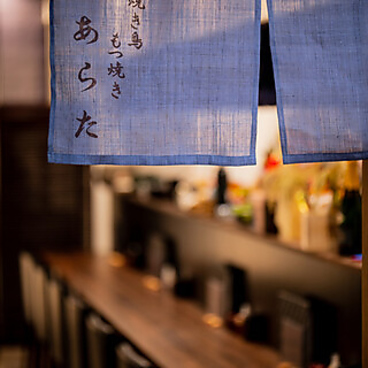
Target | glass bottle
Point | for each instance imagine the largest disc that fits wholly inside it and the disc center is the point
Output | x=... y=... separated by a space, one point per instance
x=351 y=209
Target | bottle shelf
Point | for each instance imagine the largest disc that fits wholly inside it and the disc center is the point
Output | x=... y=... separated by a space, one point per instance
x=169 y=208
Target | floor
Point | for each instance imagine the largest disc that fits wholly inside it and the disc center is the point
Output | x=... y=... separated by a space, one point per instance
x=13 y=357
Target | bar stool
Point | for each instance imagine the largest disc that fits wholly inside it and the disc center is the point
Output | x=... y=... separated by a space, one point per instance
x=128 y=357
x=55 y=318
x=75 y=312
x=38 y=303
x=100 y=343
x=26 y=266
x=33 y=283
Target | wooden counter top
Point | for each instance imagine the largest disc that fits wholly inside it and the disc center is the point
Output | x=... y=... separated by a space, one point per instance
x=168 y=330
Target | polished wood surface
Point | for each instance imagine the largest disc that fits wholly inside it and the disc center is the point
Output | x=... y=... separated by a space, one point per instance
x=168 y=330
x=365 y=267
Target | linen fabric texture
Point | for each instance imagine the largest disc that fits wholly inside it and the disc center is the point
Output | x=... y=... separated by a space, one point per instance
x=154 y=82
x=162 y=82
x=320 y=57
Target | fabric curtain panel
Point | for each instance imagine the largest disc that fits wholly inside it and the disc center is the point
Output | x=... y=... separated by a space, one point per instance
x=163 y=82
x=320 y=57
x=154 y=82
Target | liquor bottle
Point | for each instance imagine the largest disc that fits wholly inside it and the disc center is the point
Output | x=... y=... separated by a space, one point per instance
x=222 y=208
x=351 y=209
x=221 y=187
x=335 y=361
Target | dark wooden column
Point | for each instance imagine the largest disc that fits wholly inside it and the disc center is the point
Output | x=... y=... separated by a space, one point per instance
x=43 y=206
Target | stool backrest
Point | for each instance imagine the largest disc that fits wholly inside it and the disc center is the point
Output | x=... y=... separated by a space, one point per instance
x=75 y=311
x=38 y=298
x=26 y=267
x=33 y=283
x=100 y=343
x=128 y=357
x=56 y=328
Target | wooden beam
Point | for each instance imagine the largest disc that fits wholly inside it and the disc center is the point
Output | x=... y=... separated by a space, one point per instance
x=365 y=267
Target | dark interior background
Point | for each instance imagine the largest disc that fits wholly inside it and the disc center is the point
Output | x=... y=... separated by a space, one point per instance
x=43 y=206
